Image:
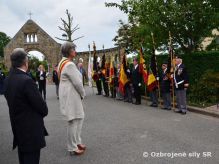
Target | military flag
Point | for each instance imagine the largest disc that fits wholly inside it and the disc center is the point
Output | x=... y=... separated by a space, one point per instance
x=122 y=76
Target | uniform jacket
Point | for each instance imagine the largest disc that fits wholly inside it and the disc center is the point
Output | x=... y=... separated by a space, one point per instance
x=180 y=77
x=164 y=82
x=27 y=110
x=71 y=92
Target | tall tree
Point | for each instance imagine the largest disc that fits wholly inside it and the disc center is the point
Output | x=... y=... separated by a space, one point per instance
x=188 y=21
x=4 y=40
x=68 y=29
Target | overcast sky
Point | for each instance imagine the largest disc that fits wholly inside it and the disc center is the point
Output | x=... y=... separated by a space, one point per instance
x=97 y=23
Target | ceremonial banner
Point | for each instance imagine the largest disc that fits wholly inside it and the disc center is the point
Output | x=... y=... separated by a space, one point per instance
x=123 y=77
x=90 y=70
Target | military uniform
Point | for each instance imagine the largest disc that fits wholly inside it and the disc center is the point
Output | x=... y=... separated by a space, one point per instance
x=165 y=89
x=180 y=79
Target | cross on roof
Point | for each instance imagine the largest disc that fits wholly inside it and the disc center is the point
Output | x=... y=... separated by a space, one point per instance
x=30 y=14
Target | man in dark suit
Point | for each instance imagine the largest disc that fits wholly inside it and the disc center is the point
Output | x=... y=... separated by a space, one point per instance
x=98 y=80
x=26 y=109
x=136 y=81
x=165 y=87
x=181 y=83
x=55 y=80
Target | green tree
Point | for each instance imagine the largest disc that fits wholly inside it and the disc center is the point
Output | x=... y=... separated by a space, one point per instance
x=68 y=28
x=188 y=21
x=4 y=39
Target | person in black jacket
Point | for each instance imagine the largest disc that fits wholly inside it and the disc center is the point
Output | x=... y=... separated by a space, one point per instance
x=26 y=109
x=128 y=89
x=136 y=81
x=181 y=83
x=55 y=79
x=165 y=87
x=41 y=78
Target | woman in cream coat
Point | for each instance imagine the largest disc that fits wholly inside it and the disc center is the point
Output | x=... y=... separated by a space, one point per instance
x=71 y=94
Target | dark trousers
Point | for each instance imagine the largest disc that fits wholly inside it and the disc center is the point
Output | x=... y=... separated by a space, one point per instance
x=137 y=93
x=29 y=157
x=99 y=86
x=113 y=91
x=105 y=87
x=153 y=96
x=42 y=88
x=128 y=93
x=166 y=100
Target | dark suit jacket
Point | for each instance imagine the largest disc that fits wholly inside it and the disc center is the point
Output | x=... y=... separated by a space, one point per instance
x=43 y=75
x=181 y=75
x=55 y=77
x=27 y=110
x=164 y=82
x=136 y=76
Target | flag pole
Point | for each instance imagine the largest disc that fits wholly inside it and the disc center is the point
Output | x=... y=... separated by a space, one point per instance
x=158 y=83
x=172 y=67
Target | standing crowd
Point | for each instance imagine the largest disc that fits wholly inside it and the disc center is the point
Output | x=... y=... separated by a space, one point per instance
x=166 y=83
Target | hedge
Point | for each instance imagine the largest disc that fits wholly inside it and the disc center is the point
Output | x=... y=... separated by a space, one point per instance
x=203 y=70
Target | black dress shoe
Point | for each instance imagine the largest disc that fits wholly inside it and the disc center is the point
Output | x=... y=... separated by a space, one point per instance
x=183 y=113
x=137 y=103
x=179 y=111
x=164 y=108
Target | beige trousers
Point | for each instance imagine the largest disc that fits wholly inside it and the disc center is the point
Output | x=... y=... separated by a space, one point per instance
x=74 y=133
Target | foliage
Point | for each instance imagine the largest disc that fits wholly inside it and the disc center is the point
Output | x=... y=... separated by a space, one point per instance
x=203 y=70
x=4 y=40
x=34 y=63
x=214 y=45
x=206 y=90
x=68 y=28
x=188 y=21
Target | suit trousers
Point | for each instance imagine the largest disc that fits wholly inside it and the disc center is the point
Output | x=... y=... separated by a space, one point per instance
x=29 y=157
x=74 y=133
x=128 y=93
x=57 y=90
x=99 y=86
x=42 y=88
x=137 y=93
x=166 y=100
x=181 y=100
x=153 y=96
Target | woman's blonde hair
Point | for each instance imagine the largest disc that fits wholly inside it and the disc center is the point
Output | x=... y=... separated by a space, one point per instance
x=41 y=67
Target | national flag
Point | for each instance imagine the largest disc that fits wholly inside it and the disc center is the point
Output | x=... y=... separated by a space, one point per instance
x=111 y=73
x=123 y=77
x=152 y=82
x=142 y=67
x=95 y=75
x=90 y=70
x=94 y=58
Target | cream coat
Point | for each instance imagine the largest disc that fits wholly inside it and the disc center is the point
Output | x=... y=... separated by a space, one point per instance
x=71 y=92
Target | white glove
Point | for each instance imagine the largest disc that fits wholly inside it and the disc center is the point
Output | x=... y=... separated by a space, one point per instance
x=128 y=70
x=139 y=84
x=158 y=78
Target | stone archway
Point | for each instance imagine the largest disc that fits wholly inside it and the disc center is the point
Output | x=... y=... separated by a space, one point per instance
x=32 y=37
